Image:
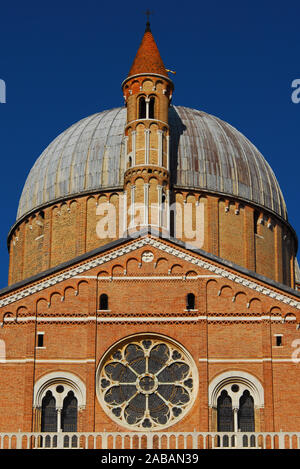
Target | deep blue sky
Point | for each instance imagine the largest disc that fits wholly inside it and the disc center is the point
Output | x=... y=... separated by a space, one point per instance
x=64 y=60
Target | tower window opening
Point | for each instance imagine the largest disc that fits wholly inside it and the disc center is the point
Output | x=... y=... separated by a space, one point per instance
x=190 y=301
x=103 y=304
x=146 y=108
x=151 y=107
x=142 y=108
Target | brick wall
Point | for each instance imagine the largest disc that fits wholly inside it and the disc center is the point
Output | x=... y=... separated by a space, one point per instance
x=233 y=332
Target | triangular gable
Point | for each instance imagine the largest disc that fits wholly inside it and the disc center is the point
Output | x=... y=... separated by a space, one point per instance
x=169 y=247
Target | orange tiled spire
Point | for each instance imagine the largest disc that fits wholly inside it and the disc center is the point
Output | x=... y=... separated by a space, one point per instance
x=148 y=59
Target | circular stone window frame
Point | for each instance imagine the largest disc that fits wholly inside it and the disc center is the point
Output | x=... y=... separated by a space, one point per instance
x=139 y=338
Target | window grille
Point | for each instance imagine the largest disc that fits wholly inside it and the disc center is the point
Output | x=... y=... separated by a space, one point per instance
x=225 y=414
x=246 y=413
x=49 y=413
x=69 y=413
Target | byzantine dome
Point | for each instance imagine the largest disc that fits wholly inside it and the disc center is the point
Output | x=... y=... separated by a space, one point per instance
x=206 y=153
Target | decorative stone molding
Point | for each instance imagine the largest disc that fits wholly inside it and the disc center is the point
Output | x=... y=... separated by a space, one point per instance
x=146 y=381
x=160 y=245
x=107 y=318
x=243 y=380
x=51 y=381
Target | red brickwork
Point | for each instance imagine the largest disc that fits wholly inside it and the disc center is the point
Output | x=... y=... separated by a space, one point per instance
x=233 y=327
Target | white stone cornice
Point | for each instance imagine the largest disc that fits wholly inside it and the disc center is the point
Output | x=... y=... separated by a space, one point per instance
x=73 y=272
x=141 y=319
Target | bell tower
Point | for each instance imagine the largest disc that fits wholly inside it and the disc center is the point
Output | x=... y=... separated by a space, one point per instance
x=147 y=92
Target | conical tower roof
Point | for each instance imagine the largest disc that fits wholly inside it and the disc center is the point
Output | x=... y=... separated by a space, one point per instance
x=148 y=59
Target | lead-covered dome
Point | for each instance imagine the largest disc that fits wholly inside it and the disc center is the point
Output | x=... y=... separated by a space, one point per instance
x=206 y=153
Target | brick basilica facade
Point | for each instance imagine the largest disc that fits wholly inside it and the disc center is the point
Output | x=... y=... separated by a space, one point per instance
x=152 y=278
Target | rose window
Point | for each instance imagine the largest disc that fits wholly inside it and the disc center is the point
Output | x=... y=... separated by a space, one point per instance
x=147 y=383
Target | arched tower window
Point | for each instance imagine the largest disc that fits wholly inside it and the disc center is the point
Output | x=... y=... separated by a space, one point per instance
x=151 y=107
x=103 y=304
x=142 y=108
x=49 y=413
x=190 y=301
x=69 y=413
x=146 y=108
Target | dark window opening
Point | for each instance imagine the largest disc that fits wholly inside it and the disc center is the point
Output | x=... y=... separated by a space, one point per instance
x=40 y=340
x=103 y=302
x=278 y=340
x=49 y=413
x=151 y=108
x=246 y=413
x=224 y=412
x=190 y=301
x=142 y=108
x=256 y=216
x=69 y=413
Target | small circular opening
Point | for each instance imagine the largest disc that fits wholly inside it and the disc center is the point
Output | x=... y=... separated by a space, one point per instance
x=59 y=388
x=235 y=388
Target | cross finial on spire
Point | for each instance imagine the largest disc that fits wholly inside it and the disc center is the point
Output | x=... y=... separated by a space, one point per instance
x=148 y=13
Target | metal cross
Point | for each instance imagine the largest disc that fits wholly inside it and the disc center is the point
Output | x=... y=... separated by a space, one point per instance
x=148 y=13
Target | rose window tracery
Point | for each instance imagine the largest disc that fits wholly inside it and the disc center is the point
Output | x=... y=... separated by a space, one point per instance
x=147 y=383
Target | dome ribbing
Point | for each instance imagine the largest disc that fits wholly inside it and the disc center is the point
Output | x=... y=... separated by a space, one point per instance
x=206 y=153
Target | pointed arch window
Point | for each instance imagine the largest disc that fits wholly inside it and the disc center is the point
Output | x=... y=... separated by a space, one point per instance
x=225 y=414
x=49 y=413
x=58 y=398
x=69 y=413
x=246 y=413
x=244 y=393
